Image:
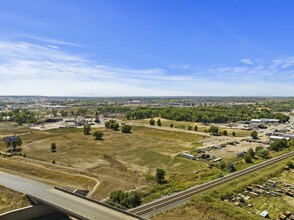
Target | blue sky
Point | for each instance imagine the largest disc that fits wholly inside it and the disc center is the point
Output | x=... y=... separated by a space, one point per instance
x=147 y=47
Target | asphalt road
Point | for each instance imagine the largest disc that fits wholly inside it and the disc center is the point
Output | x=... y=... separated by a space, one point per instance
x=65 y=201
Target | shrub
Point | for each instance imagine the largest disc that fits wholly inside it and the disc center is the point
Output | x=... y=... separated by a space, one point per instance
x=254 y=134
x=279 y=145
x=98 y=135
x=53 y=147
x=248 y=158
x=290 y=164
x=126 y=129
x=151 y=121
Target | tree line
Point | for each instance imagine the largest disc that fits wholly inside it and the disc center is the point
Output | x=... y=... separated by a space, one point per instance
x=208 y=114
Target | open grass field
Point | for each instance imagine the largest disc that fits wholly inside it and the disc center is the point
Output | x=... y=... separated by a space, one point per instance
x=10 y=200
x=120 y=161
x=209 y=205
x=7 y=128
x=46 y=174
x=201 y=126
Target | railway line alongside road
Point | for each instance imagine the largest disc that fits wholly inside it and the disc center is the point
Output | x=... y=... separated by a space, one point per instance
x=179 y=198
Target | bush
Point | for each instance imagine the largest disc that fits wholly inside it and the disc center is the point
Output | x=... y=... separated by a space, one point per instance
x=87 y=129
x=254 y=135
x=125 y=199
x=160 y=175
x=126 y=129
x=171 y=125
x=53 y=147
x=290 y=164
x=248 y=158
x=151 y=121
x=225 y=133
x=231 y=167
x=112 y=124
x=220 y=174
x=158 y=122
x=279 y=145
x=263 y=153
x=251 y=152
x=98 y=135
x=213 y=129
x=53 y=161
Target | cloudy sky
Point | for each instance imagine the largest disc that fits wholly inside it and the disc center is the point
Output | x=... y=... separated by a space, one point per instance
x=147 y=47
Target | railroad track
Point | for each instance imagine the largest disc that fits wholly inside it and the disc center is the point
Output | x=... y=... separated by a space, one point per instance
x=180 y=197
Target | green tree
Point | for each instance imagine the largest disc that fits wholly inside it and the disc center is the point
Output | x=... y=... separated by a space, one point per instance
x=225 y=133
x=231 y=166
x=279 y=145
x=152 y=121
x=160 y=175
x=195 y=127
x=125 y=199
x=234 y=134
x=64 y=113
x=158 y=122
x=98 y=135
x=251 y=152
x=263 y=153
x=54 y=112
x=254 y=134
x=248 y=158
x=126 y=129
x=189 y=127
x=112 y=124
x=53 y=147
x=213 y=129
x=171 y=125
x=15 y=144
x=134 y=199
x=87 y=129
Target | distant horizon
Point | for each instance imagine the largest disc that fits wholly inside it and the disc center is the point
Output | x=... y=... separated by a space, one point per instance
x=147 y=48
x=175 y=96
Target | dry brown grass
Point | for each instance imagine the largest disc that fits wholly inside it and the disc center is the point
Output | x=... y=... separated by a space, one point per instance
x=10 y=200
x=46 y=175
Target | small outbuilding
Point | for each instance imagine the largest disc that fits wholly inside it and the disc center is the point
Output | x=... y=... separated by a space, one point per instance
x=264 y=214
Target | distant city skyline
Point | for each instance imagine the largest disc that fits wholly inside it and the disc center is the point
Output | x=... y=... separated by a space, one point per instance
x=147 y=48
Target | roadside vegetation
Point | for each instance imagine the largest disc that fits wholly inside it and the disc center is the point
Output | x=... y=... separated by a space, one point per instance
x=215 y=203
x=11 y=200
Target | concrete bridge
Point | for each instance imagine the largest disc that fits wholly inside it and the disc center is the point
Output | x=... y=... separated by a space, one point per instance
x=52 y=201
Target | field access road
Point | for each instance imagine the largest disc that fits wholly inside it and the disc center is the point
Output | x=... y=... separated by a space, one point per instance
x=180 y=198
x=62 y=201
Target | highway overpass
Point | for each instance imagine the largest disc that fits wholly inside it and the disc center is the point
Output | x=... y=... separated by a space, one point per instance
x=63 y=202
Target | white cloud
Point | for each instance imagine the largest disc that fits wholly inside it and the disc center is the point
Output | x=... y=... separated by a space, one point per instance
x=184 y=67
x=246 y=61
x=31 y=69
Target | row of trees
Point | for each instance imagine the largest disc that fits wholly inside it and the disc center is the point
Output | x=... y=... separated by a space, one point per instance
x=152 y=122
x=111 y=124
x=209 y=114
x=20 y=116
